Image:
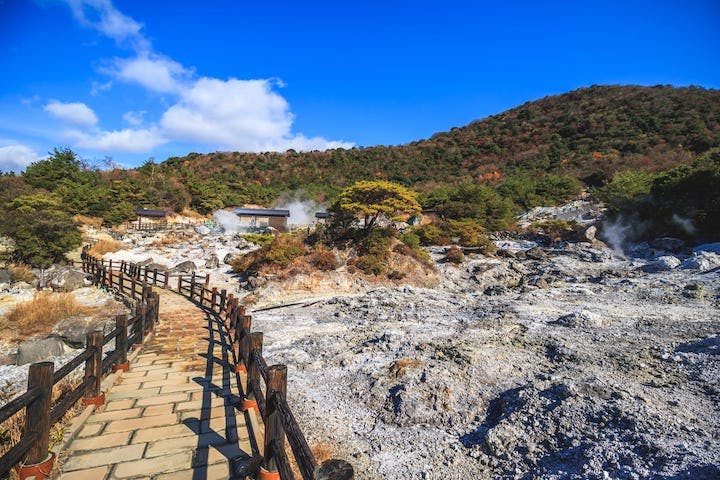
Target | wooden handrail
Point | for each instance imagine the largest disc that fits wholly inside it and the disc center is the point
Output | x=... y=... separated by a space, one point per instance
x=279 y=421
x=41 y=414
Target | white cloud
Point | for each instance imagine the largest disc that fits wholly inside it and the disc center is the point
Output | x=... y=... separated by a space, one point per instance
x=16 y=157
x=154 y=72
x=97 y=87
x=135 y=119
x=246 y=115
x=104 y=17
x=237 y=115
x=127 y=140
x=75 y=112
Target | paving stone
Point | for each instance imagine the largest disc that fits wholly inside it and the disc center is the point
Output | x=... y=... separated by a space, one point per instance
x=141 y=423
x=179 y=444
x=97 y=473
x=164 y=409
x=170 y=381
x=105 y=456
x=91 y=430
x=119 y=404
x=151 y=377
x=149 y=466
x=139 y=394
x=182 y=387
x=105 y=441
x=114 y=415
x=213 y=472
x=159 y=399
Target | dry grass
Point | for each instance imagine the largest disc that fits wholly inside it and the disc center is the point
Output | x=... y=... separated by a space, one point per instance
x=21 y=273
x=11 y=429
x=40 y=314
x=322 y=452
x=89 y=221
x=101 y=247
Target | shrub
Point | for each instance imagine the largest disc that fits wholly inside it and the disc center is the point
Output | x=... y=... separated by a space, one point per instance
x=41 y=313
x=259 y=238
x=558 y=230
x=430 y=234
x=454 y=255
x=323 y=259
x=284 y=249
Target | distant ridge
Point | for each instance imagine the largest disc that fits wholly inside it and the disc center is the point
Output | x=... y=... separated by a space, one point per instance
x=587 y=133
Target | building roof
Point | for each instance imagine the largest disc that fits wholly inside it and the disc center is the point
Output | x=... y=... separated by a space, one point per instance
x=261 y=212
x=143 y=212
x=322 y=215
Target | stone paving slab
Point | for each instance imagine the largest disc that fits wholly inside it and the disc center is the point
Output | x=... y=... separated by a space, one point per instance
x=173 y=415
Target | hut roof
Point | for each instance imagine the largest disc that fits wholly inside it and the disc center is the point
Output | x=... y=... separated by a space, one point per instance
x=143 y=212
x=261 y=212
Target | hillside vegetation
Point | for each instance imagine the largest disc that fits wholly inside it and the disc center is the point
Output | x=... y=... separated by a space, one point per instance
x=478 y=176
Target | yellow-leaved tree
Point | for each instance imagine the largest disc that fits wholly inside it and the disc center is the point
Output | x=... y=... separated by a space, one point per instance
x=370 y=200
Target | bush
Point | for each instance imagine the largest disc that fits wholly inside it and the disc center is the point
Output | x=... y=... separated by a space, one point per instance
x=259 y=238
x=430 y=234
x=374 y=251
x=284 y=249
x=454 y=255
x=323 y=259
x=558 y=230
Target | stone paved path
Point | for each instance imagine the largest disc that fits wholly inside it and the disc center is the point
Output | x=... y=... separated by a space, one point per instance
x=172 y=415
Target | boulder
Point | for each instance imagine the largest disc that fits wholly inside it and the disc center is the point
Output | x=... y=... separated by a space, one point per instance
x=73 y=330
x=536 y=253
x=708 y=247
x=662 y=264
x=212 y=262
x=256 y=282
x=701 y=261
x=187 y=266
x=39 y=350
x=67 y=279
x=147 y=261
x=589 y=234
x=159 y=266
x=6 y=275
x=667 y=244
x=583 y=318
x=203 y=230
x=228 y=257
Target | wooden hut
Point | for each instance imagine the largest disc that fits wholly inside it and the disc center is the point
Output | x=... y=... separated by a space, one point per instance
x=260 y=217
x=151 y=219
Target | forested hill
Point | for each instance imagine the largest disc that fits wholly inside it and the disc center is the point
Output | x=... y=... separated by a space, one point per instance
x=587 y=133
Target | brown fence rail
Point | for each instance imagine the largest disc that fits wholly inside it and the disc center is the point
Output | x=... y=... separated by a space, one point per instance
x=278 y=419
x=41 y=412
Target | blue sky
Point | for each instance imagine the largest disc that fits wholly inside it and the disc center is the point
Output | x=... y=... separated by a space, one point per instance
x=134 y=80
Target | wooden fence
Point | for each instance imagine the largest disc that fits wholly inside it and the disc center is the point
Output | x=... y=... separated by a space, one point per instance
x=262 y=387
x=41 y=412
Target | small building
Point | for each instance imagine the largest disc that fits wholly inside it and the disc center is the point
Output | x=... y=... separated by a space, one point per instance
x=151 y=219
x=322 y=216
x=261 y=217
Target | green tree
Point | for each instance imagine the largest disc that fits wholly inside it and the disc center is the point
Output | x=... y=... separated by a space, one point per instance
x=61 y=166
x=43 y=233
x=371 y=199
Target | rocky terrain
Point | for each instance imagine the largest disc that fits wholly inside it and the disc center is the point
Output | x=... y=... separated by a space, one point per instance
x=563 y=362
x=569 y=360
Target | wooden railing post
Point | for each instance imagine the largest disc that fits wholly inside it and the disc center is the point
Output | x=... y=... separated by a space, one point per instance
x=192 y=286
x=207 y=280
x=213 y=298
x=166 y=284
x=93 y=369
x=180 y=282
x=37 y=417
x=121 y=344
x=244 y=339
x=223 y=298
x=155 y=276
x=256 y=341
x=120 y=281
x=274 y=433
